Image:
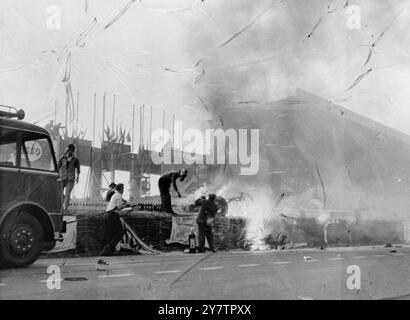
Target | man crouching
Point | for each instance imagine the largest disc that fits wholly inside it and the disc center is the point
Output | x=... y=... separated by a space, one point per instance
x=112 y=220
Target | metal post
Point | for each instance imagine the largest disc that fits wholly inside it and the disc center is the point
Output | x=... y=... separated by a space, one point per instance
x=113 y=113
x=150 y=129
x=103 y=121
x=55 y=112
x=132 y=151
x=76 y=120
x=94 y=111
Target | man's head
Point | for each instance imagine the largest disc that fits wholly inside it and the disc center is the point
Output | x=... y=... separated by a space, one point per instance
x=183 y=173
x=70 y=149
x=120 y=188
x=212 y=196
x=112 y=186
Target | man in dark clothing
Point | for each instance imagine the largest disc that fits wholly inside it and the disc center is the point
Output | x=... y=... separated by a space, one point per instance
x=204 y=220
x=68 y=166
x=164 y=183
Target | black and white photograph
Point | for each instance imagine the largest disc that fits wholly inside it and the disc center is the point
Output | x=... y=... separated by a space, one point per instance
x=204 y=154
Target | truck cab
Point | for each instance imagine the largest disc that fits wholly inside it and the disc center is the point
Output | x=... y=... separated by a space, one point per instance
x=31 y=213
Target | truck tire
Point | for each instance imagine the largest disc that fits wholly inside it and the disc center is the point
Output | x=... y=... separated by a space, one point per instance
x=21 y=240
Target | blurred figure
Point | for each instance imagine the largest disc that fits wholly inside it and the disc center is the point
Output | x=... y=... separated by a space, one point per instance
x=56 y=131
x=49 y=127
x=69 y=167
x=164 y=184
x=204 y=220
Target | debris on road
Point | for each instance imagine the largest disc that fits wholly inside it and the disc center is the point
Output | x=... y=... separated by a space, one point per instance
x=75 y=279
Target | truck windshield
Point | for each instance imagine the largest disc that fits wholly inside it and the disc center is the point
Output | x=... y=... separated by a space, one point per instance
x=8 y=148
x=25 y=150
x=8 y=154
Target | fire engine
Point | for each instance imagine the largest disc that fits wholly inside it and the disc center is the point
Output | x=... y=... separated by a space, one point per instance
x=31 y=213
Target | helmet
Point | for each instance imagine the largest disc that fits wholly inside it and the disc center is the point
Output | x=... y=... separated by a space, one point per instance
x=212 y=196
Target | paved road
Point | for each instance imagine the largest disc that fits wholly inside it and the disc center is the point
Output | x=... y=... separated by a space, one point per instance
x=304 y=274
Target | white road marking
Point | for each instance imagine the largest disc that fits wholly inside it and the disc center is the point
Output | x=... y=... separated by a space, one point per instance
x=54 y=280
x=338 y=258
x=3 y=284
x=311 y=260
x=281 y=262
x=379 y=255
x=116 y=275
x=359 y=257
x=305 y=298
x=398 y=254
x=248 y=265
x=169 y=271
x=211 y=268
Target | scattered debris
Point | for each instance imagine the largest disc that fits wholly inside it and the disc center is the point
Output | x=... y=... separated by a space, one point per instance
x=119 y=14
x=242 y=30
x=315 y=27
x=321 y=183
x=75 y=279
x=200 y=76
x=102 y=262
x=359 y=78
x=84 y=34
x=372 y=46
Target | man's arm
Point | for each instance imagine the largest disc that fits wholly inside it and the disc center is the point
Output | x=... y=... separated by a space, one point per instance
x=174 y=184
x=77 y=166
x=120 y=203
x=60 y=163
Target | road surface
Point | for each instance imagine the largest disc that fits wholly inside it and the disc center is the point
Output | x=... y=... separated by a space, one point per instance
x=299 y=274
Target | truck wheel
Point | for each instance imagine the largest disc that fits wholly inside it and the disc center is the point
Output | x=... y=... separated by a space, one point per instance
x=21 y=240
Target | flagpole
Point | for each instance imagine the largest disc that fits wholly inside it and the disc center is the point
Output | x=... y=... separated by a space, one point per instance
x=94 y=111
x=55 y=112
x=173 y=131
x=142 y=125
x=113 y=113
x=66 y=116
x=132 y=149
x=103 y=119
x=163 y=137
x=140 y=142
x=76 y=120
x=150 y=128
